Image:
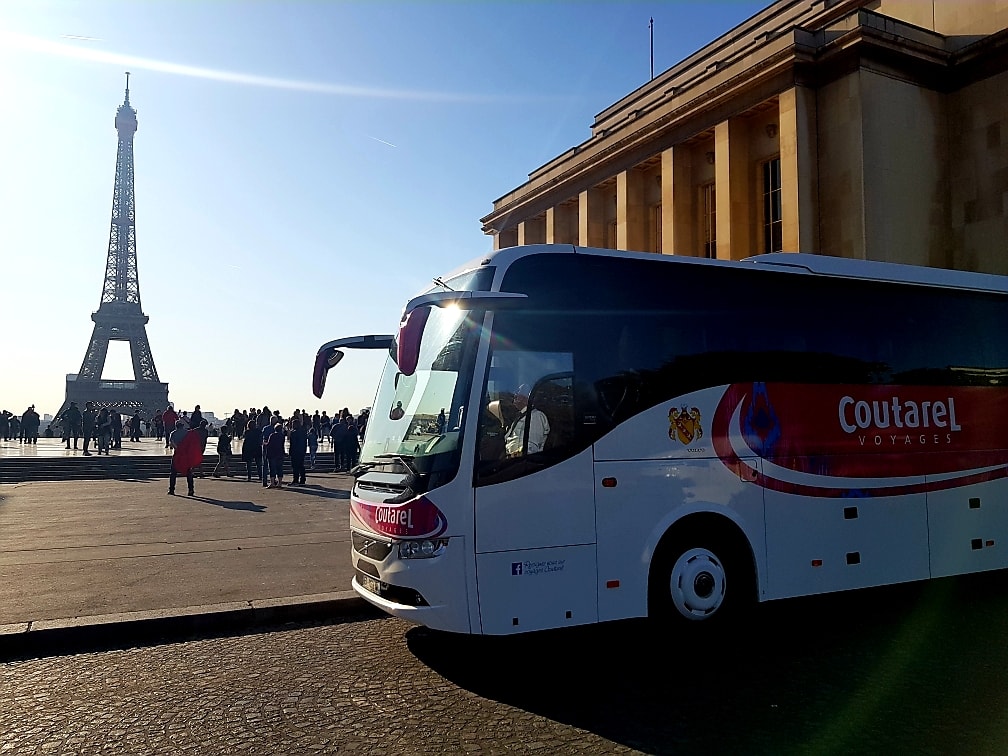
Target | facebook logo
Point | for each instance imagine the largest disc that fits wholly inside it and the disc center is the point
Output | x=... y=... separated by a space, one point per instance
x=516 y=568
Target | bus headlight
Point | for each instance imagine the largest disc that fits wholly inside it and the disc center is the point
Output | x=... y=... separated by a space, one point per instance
x=423 y=549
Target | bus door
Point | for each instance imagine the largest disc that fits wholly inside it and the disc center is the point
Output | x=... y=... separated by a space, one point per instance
x=535 y=505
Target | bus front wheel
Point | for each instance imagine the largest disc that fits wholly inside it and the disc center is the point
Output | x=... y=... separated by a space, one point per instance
x=699 y=580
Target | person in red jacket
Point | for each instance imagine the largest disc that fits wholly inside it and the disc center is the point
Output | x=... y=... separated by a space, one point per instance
x=188 y=446
x=168 y=418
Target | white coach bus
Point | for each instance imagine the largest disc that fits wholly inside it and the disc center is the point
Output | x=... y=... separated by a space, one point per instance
x=564 y=435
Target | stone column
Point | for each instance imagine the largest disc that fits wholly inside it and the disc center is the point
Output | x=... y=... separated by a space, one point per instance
x=507 y=237
x=799 y=170
x=562 y=224
x=532 y=231
x=591 y=218
x=678 y=224
x=734 y=195
x=631 y=211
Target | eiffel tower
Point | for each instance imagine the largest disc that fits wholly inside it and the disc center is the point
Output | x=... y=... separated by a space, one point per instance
x=119 y=317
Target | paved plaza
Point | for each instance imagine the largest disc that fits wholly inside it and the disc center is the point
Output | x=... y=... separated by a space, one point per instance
x=115 y=554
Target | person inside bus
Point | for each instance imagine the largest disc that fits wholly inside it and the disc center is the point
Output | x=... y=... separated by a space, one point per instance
x=494 y=423
x=538 y=426
x=397 y=412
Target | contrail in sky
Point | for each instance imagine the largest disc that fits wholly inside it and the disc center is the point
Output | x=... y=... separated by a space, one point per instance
x=66 y=50
x=380 y=140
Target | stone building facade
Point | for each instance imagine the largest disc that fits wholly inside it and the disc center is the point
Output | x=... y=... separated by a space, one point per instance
x=862 y=129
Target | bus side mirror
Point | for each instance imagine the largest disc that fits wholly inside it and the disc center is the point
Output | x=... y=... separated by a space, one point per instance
x=411 y=330
x=325 y=360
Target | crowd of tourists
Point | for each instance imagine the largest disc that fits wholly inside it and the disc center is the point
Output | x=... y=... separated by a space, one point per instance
x=266 y=438
x=106 y=426
x=23 y=429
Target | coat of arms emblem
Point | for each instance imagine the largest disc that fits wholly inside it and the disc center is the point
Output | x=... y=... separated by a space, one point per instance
x=684 y=424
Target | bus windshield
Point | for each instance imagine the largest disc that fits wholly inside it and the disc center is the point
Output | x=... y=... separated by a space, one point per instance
x=418 y=418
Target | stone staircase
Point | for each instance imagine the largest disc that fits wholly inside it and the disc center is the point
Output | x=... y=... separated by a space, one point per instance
x=23 y=470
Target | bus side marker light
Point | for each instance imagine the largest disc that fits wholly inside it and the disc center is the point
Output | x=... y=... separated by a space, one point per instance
x=974 y=502
x=608 y=482
x=850 y=513
x=612 y=584
x=976 y=543
x=989 y=543
x=817 y=562
x=854 y=557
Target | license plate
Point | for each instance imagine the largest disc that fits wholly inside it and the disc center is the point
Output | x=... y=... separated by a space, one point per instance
x=371 y=584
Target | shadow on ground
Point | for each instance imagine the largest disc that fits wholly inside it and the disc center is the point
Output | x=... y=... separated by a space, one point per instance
x=917 y=667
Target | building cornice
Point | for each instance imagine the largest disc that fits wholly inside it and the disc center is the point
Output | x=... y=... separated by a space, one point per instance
x=729 y=77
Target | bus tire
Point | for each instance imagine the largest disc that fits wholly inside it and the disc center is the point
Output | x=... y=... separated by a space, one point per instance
x=701 y=577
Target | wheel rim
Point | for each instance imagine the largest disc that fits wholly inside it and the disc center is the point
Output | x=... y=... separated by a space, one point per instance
x=697 y=584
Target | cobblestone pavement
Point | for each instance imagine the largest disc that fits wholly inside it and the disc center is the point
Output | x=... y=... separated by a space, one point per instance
x=918 y=669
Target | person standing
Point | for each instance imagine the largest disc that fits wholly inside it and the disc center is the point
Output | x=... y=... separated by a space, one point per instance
x=352 y=442
x=168 y=419
x=265 y=431
x=30 y=422
x=339 y=445
x=89 y=423
x=117 y=428
x=73 y=422
x=237 y=425
x=223 y=453
x=298 y=449
x=135 y=426
x=158 y=421
x=204 y=435
x=196 y=418
x=275 y=456
x=325 y=426
x=251 y=449
x=104 y=424
x=186 y=456
x=313 y=437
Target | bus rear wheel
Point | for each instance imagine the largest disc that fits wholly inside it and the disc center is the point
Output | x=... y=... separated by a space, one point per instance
x=697 y=584
x=699 y=580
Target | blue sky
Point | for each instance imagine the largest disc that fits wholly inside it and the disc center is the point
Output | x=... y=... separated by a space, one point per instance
x=302 y=169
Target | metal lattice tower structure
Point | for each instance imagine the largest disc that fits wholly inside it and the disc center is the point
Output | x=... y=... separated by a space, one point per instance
x=119 y=316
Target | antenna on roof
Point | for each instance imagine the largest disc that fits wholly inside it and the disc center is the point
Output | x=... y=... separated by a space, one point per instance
x=651 y=28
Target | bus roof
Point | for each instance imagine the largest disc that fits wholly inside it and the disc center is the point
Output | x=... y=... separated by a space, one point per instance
x=871 y=270
x=801 y=263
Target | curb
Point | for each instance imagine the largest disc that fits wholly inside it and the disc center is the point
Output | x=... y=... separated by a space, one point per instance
x=122 y=630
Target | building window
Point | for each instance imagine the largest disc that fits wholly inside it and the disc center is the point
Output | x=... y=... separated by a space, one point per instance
x=773 y=225
x=709 y=209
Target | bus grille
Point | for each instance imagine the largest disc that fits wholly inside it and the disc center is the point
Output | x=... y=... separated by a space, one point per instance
x=370 y=547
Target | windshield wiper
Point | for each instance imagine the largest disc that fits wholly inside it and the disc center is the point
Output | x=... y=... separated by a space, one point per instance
x=411 y=482
x=404 y=459
x=362 y=467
